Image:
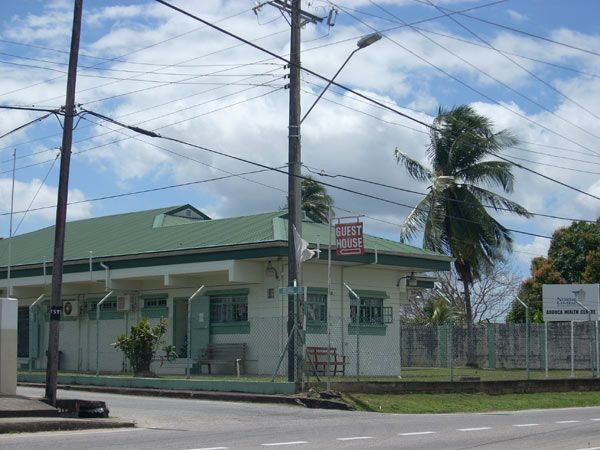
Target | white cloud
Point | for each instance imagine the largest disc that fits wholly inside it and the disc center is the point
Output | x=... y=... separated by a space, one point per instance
x=537 y=247
x=516 y=16
x=24 y=201
x=335 y=138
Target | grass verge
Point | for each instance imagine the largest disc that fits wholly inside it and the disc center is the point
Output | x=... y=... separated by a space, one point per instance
x=452 y=403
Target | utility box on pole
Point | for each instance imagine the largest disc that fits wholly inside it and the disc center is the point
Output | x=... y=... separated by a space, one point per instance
x=8 y=346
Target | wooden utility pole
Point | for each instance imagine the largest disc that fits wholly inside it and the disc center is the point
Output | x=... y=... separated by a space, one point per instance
x=61 y=210
x=294 y=192
x=299 y=18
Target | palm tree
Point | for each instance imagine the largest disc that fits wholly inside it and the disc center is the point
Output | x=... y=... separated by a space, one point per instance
x=315 y=200
x=453 y=215
x=439 y=312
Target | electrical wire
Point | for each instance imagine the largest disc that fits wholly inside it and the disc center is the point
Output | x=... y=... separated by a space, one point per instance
x=323 y=173
x=126 y=54
x=31 y=108
x=274 y=169
x=518 y=55
x=189 y=158
x=424 y=132
x=221 y=108
x=281 y=58
x=523 y=32
x=36 y=193
x=170 y=101
x=142 y=191
x=39 y=119
x=516 y=63
x=556 y=166
x=465 y=84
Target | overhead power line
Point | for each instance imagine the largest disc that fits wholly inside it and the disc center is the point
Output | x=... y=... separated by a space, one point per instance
x=322 y=173
x=281 y=58
x=153 y=134
x=523 y=32
x=116 y=58
x=522 y=67
x=39 y=119
x=465 y=84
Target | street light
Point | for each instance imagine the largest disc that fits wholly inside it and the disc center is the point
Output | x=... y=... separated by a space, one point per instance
x=362 y=43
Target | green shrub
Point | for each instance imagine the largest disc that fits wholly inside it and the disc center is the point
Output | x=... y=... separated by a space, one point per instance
x=143 y=343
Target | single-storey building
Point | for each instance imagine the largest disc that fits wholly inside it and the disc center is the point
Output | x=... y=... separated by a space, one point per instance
x=154 y=260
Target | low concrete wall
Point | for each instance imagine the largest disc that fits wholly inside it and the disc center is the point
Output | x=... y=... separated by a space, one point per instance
x=253 y=387
x=487 y=387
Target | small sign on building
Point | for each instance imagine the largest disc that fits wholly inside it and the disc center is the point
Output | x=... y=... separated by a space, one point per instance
x=349 y=239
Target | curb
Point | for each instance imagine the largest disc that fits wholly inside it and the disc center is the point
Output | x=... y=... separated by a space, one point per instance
x=22 y=425
x=209 y=395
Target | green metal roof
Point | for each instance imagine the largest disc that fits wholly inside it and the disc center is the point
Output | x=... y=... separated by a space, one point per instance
x=159 y=230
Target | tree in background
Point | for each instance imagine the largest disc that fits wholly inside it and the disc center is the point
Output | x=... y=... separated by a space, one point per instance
x=315 y=200
x=573 y=257
x=491 y=296
x=570 y=248
x=453 y=215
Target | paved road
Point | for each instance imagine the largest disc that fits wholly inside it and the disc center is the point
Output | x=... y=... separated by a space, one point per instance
x=199 y=424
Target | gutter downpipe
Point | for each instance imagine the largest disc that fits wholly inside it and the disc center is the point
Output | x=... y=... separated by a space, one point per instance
x=31 y=322
x=357 y=331
x=98 y=305
x=188 y=368
x=107 y=276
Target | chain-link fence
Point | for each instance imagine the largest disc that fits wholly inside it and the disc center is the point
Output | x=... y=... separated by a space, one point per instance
x=343 y=349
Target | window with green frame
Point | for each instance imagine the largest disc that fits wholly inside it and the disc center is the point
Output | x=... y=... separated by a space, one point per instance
x=228 y=309
x=316 y=308
x=108 y=305
x=371 y=310
x=155 y=306
x=155 y=303
x=108 y=309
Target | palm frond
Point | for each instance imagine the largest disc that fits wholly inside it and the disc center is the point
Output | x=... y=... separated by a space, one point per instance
x=489 y=173
x=498 y=202
x=415 y=169
x=416 y=219
x=315 y=200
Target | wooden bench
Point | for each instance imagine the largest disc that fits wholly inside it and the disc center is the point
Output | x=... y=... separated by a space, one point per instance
x=321 y=360
x=223 y=354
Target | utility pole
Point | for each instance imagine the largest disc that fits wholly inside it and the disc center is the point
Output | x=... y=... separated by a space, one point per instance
x=294 y=194
x=61 y=210
x=299 y=18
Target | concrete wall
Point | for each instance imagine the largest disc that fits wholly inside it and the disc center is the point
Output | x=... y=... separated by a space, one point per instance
x=8 y=346
x=501 y=346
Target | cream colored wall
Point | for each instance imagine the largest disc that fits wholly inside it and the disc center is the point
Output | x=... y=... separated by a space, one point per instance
x=8 y=346
x=267 y=317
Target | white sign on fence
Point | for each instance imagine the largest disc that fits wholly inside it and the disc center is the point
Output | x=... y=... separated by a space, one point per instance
x=560 y=301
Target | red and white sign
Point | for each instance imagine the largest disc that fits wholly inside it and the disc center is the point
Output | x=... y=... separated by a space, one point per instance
x=349 y=239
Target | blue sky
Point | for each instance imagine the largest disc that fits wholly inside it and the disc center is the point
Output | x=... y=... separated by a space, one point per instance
x=148 y=65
